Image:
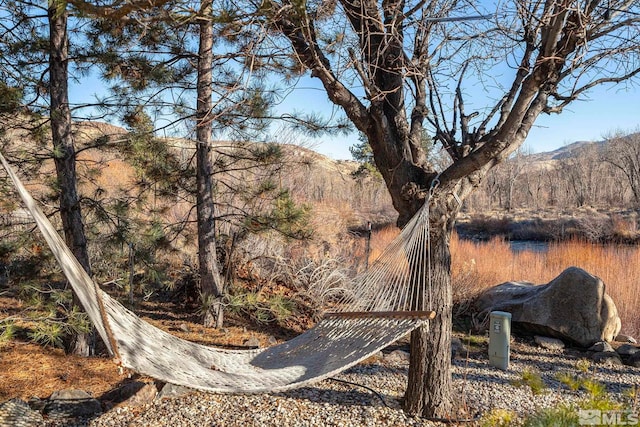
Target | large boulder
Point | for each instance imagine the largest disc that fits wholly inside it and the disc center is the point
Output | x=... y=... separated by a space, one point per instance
x=573 y=307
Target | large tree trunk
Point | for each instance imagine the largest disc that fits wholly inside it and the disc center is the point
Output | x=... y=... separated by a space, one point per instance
x=408 y=181
x=65 y=157
x=211 y=283
x=429 y=383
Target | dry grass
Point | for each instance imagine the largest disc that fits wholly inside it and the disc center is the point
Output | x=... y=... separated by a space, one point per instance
x=617 y=265
x=479 y=265
x=380 y=239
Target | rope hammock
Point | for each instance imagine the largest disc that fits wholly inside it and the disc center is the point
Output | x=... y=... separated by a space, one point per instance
x=386 y=302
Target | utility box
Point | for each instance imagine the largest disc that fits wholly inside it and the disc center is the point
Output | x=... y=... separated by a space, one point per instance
x=499 y=339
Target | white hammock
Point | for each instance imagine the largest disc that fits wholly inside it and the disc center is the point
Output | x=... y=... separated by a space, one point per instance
x=374 y=314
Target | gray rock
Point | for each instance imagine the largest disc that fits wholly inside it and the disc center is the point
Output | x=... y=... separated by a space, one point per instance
x=626 y=338
x=17 y=413
x=37 y=404
x=601 y=346
x=573 y=307
x=627 y=350
x=71 y=404
x=457 y=348
x=549 y=343
x=607 y=358
x=122 y=393
x=171 y=390
x=272 y=340
x=397 y=356
x=252 y=342
x=634 y=360
x=69 y=394
x=142 y=397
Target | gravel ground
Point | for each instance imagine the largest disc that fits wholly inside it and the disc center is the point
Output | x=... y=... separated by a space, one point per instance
x=478 y=387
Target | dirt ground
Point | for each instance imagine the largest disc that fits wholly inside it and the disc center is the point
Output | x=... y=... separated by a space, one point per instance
x=30 y=370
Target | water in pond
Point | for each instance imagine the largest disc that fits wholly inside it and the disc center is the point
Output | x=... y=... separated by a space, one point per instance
x=528 y=245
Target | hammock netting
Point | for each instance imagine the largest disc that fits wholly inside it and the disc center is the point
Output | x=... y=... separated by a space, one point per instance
x=387 y=301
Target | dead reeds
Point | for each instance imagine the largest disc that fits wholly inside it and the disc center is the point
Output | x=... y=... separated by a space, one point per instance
x=479 y=265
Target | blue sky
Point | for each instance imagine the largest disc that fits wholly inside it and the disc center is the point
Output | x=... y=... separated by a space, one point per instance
x=607 y=109
x=602 y=111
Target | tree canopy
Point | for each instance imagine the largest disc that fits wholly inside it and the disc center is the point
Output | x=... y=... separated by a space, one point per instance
x=474 y=76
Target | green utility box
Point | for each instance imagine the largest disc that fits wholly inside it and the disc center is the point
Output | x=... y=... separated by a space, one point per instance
x=499 y=339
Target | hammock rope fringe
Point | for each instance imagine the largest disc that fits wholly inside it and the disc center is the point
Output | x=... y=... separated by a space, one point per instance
x=380 y=307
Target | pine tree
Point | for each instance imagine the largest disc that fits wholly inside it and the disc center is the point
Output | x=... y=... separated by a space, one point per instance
x=155 y=65
x=37 y=33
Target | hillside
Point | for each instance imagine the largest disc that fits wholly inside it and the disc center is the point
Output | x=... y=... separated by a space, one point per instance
x=569 y=150
x=572 y=150
x=339 y=203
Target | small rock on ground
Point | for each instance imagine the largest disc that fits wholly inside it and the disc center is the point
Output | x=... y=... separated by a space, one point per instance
x=549 y=343
x=601 y=346
x=329 y=403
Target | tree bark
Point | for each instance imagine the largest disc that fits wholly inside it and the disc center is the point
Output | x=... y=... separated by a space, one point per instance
x=65 y=157
x=211 y=284
x=429 y=382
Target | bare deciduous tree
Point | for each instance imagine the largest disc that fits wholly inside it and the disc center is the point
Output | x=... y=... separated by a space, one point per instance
x=582 y=174
x=505 y=178
x=398 y=67
x=623 y=153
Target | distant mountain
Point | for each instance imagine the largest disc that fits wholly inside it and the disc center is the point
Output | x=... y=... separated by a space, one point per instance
x=564 y=152
x=569 y=150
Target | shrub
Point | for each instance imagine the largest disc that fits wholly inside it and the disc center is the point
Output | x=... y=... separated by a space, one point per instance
x=571 y=381
x=597 y=396
x=531 y=379
x=261 y=308
x=48 y=333
x=7 y=332
x=583 y=365
x=281 y=307
x=633 y=394
x=498 y=418
x=318 y=282
x=561 y=416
